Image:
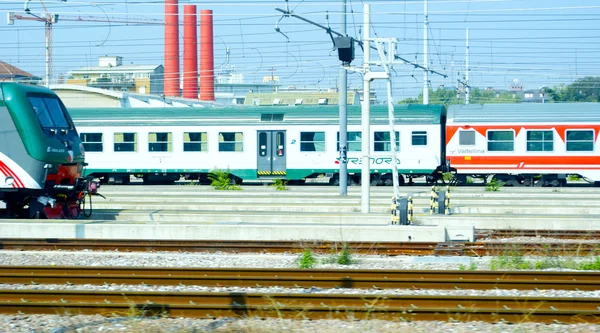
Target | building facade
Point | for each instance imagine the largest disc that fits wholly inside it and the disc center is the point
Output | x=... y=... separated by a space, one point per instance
x=111 y=74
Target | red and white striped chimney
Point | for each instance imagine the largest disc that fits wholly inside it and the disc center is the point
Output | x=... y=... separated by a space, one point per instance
x=190 y=52
x=171 y=75
x=207 y=62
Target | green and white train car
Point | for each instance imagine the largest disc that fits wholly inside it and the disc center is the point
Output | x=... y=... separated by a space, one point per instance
x=266 y=142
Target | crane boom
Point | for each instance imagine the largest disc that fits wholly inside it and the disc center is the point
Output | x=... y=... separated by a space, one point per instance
x=50 y=19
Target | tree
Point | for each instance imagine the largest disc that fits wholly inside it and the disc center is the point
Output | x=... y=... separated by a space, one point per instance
x=586 y=89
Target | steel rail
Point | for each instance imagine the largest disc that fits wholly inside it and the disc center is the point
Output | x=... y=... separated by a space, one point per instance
x=302 y=278
x=299 y=306
x=562 y=234
x=379 y=248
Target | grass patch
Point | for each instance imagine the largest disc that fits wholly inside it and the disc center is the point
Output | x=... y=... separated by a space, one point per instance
x=344 y=257
x=221 y=180
x=307 y=259
x=280 y=185
x=494 y=185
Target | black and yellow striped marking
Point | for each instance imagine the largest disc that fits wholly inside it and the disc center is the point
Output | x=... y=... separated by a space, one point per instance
x=269 y=173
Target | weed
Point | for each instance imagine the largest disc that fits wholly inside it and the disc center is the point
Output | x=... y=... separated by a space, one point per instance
x=590 y=265
x=472 y=266
x=462 y=267
x=221 y=180
x=307 y=259
x=494 y=185
x=345 y=257
x=280 y=184
x=513 y=260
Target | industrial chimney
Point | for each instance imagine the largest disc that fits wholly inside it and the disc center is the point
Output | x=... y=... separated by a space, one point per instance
x=171 y=75
x=207 y=63
x=190 y=52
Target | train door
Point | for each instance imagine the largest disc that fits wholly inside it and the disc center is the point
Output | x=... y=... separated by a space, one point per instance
x=271 y=153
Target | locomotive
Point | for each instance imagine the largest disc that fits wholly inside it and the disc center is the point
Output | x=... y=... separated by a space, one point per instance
x=41 y=155
x=518 y=144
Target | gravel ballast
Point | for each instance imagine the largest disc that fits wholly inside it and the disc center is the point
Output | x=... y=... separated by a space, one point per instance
x=112 y=323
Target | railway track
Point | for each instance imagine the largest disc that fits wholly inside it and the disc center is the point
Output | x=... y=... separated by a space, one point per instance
x=301 y=278
x=380 y=248
x=562 y=234
x=300 y=306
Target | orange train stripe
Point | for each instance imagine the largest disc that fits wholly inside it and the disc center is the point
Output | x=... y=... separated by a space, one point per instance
x=482 y=129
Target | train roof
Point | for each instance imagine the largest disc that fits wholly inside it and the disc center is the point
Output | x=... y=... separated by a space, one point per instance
x=251 y=115
x=525 y=112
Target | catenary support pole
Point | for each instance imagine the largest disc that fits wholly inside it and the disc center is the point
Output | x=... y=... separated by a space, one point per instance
x=343 y=104
x=366 y=116
x=468 y=88
x=425 y=60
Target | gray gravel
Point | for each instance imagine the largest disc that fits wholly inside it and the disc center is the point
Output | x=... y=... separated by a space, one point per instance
x=84 y=324
x=89 y=324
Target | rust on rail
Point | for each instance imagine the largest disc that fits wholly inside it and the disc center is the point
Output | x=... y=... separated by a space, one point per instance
x=314 y=306
x=302 y=278
x=378 y=248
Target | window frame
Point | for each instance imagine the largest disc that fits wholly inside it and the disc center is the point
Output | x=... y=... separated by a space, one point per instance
x=592 y=140
x=351 y=143
x=460 y=138
x=542 y=141
x=236 y=143
x=158 y=143
x=203 y=143
x=303 y=143
x=86 y=143
x=500 y=141
x=125 y=143
x=419 y=134
x=385 y=143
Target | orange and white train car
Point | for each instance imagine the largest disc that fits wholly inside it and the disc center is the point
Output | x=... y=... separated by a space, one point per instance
x=519 y=142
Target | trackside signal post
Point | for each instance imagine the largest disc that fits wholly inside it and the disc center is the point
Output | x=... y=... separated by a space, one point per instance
x=368 y=76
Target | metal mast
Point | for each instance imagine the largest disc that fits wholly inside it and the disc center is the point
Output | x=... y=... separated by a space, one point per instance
x=468 y=87
x=343 y=103
x=425 y=60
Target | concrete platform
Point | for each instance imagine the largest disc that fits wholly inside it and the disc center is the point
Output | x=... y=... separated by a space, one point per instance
x=150 y=231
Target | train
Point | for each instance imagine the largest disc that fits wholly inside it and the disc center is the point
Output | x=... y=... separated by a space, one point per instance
x=519 y=144
x=41 y=155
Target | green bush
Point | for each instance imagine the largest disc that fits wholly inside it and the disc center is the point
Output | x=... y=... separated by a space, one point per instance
x=307 y=259
x=280 y=184
x=494 y=185
x=345 y=257
x=221 y=180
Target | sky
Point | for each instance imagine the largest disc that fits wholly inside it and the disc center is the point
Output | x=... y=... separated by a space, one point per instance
x=537 y=42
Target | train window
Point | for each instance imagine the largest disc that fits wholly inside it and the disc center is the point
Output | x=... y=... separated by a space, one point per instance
x=466 y=138
x=195 y=141
x=160 y=141
x=382 y=141
x=540 y=141
x=354 y=140
x=231 y=141
x=580 y=140
x=271 y=117
x=312 y=141
x=49 y=110
x=125 y=142
x=262 y=143
x=91 y=141
x=419 y=138
x=280 y=143
x=501 y=140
